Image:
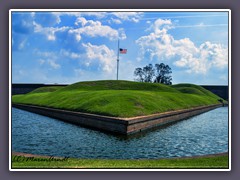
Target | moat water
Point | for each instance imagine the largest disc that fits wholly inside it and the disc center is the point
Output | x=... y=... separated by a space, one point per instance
x=200 y=135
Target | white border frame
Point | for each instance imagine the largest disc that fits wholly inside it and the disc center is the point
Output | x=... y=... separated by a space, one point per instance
x=118 y=10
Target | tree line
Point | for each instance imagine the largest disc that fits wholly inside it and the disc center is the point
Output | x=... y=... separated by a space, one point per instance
x=160 y=73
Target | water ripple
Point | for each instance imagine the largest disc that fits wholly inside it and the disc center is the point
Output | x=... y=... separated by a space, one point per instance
x=203 y=134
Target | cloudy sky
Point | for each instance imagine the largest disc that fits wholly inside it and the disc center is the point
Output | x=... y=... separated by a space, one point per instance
x=67 y=47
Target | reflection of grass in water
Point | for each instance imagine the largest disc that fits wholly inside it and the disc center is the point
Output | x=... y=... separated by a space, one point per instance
x=119 y=98
x=183 y=163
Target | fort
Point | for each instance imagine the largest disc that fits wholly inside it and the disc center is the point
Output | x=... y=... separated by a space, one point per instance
x=117 y=125
x=122 y=107
x=220 y=90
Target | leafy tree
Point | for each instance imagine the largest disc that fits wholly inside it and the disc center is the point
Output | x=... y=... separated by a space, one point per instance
x=163 y=74
x=140 y=75
x=148 y=72
x=144 y=74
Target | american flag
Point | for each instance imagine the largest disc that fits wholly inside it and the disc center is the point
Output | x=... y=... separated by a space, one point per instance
x=123 y=51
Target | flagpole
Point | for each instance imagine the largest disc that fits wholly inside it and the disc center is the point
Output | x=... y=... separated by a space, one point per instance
x=117 y=59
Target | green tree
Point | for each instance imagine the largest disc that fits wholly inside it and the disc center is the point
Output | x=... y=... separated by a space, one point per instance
x=163 y=74
x=139 y=74
x=148 y=72
x=144 y=74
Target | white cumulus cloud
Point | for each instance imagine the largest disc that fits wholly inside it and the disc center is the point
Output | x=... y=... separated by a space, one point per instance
x=95 y=29
x=79 y=14
x=69 y=54
x=128 y=16
x=49 y=32
x=161 y=45
x=100 y=54
x=81 y=20
x=116 y=21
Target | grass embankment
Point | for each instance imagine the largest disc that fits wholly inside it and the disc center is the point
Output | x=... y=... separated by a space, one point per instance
x=182 y=163
x=46 y=89
x=119 y=98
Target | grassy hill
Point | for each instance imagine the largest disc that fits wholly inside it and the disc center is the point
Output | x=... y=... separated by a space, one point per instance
x=46 y=89
x=119 y=98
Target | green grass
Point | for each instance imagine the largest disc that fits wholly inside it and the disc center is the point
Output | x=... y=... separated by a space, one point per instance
x=182 y=163
x=46 y=89
x=119 y=98
x=192 y=89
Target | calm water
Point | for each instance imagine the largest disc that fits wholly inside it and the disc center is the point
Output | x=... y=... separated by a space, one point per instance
x=203 y=134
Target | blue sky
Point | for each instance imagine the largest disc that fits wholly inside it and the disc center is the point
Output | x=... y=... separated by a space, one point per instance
x=67 y=47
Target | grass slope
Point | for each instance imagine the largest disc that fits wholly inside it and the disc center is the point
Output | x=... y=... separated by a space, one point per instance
x=119 y=98
x=46 y=89
x=183 y=163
